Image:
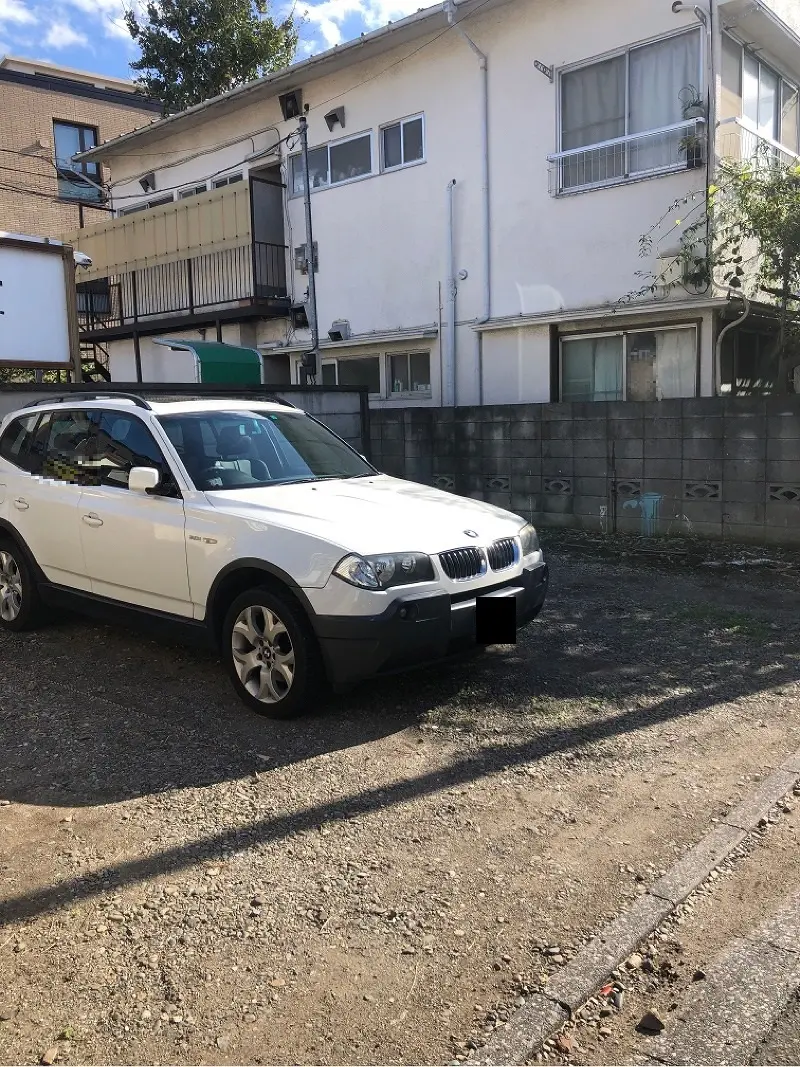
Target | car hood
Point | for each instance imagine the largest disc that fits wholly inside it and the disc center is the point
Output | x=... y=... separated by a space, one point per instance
x=371 y=515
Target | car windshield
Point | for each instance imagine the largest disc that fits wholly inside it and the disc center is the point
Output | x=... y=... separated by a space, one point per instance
x=244 y=449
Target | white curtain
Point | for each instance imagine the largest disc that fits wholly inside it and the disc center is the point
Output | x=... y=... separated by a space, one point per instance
x=676 y=363
x=658 y=72
x=592 y=111
x=592 y=369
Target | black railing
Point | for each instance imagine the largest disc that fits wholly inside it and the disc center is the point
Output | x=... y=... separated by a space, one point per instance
x=219 y=279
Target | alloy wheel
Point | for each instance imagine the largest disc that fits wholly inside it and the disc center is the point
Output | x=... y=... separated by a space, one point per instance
x=10 y=587
x=263 y=654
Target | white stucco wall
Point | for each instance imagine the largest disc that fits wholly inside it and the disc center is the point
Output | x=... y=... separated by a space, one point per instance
x=382 y=247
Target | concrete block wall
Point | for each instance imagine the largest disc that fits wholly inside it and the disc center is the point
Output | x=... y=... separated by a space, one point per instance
x=721 y=468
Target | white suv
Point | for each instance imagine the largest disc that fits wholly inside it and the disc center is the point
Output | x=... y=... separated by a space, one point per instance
x=256 y=528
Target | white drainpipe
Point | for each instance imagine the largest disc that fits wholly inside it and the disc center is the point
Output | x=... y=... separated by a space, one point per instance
x=449 y=369
x=450 y=9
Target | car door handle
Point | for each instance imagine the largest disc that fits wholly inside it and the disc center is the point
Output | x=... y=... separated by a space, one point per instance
x=92 y=520
x=20 y=504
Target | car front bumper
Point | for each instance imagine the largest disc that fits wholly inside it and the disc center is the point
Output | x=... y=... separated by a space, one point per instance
x=417 y=629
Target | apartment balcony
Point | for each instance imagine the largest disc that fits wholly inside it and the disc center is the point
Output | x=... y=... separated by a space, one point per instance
x=218 y=257
x=681 y=146
x=736 y=140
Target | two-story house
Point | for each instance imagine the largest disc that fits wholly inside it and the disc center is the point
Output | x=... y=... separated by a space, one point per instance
x=49 y=115
x=481 y=175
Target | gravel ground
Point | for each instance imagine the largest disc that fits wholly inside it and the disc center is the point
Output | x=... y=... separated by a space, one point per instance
x=184 y=882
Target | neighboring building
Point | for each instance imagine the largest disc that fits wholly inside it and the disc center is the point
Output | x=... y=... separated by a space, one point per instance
x=47 y=115
x=457 y=282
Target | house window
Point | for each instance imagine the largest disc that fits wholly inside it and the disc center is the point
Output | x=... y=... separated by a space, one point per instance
x=403 y=143
x=359 y=372
x=643 y=365
x=74 y=179
x=230 y=179
x=363 y=372
x=195 y=190
x=410 y=374
x=145 y=204
x=757 y=94
x=334 y=164
x=622 y=117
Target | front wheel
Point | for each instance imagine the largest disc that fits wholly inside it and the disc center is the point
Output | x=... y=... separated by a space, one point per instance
x=19 y=598
x=271 y=654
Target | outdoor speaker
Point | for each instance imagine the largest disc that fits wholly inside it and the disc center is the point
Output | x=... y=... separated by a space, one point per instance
x=291 y=104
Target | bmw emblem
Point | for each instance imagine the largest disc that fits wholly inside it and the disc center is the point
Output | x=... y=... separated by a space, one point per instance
x=470 y=533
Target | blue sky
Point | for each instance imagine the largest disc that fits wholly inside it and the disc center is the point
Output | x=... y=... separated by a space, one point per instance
x=90 y=34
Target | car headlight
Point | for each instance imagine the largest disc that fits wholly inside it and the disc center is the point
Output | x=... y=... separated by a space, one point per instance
x=381 y=572
x=529 y=540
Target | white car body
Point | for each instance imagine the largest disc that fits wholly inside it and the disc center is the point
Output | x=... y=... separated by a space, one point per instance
x=169 y=555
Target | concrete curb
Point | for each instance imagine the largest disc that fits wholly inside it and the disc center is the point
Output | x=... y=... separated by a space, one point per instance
x=746 y=989
x=545 y=1013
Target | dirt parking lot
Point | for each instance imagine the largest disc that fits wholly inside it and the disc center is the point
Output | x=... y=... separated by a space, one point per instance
x=184 y=882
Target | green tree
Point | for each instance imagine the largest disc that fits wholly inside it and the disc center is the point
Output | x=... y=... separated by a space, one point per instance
x=192 y=50
x=742 y=234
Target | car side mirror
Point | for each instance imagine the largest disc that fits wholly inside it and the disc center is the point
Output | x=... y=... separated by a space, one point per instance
x=141 y=479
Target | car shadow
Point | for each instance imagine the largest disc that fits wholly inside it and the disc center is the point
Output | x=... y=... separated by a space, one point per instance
x=93 y=714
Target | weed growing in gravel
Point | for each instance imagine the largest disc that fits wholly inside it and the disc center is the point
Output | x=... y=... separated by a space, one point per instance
x=715 y=618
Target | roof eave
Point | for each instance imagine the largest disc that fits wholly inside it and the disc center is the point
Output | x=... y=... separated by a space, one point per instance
x=412 y=27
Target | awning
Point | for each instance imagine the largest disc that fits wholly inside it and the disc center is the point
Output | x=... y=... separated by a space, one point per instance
x=219 y=363
x=757 y=25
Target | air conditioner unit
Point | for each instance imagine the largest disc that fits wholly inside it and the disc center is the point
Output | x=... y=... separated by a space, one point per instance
x=340 y=330
x=300 y=259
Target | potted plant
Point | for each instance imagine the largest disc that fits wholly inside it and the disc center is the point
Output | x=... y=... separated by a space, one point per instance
x=691 y=146
x=692 y=103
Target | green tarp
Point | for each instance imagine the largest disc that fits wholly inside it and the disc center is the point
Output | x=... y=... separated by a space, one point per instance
x=221 y=364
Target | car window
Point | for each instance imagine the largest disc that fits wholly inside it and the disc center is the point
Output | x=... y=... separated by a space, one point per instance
x=16 y=440
x=123 y=442
x=238 y=449
x=61 y=448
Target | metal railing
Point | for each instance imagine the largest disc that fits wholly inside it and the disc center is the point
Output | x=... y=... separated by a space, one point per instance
x=246 y=274
x=681 y=146
x=737 y=140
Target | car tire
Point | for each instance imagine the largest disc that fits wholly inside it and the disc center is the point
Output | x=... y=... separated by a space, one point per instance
x=20 y=603
x=271 y=654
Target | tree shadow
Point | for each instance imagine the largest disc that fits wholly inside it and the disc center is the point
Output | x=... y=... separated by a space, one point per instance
x=629 y=655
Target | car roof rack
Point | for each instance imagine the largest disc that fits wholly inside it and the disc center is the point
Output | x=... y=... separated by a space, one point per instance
x=74 y=398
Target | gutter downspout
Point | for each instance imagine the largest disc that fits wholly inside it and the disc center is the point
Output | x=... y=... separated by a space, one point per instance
x=720 y=337
x=450 y=10
x=449 y=368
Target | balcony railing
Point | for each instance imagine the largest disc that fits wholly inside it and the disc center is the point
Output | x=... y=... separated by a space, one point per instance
x=681 y=146
x=737 y=140
x=187 y=258
x=219 y=279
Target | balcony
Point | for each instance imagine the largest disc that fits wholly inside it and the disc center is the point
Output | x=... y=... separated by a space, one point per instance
x=738 y=141
x=635 y=157
x=185 y=263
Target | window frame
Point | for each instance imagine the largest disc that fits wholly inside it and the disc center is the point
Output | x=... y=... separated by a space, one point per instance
x=168 y=487
x=624 y=51
x=624 y=334
x=409 y=393
x=227 y=179
x=158 y=201
x=783 y=81
x=193 y=190
x=293 y=195
x=401 y=123
x=89 y=172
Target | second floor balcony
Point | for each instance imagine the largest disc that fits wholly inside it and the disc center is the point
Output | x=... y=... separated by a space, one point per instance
x=217 y=255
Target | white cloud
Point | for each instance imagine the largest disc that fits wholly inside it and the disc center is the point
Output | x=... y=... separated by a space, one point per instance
x=111 y=14
x=15 y=11
x=328 y=16
x=62 y=35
